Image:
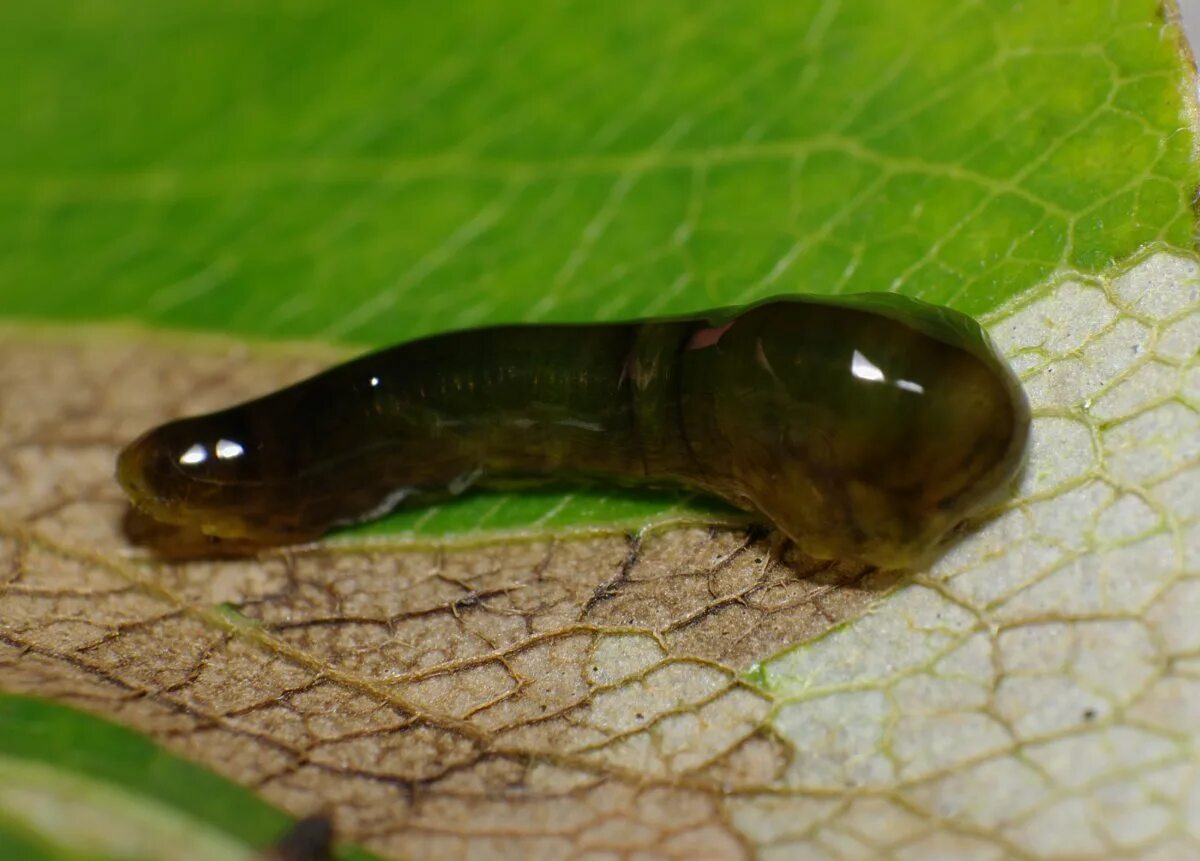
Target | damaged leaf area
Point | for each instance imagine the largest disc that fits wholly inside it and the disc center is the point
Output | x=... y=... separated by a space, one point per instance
x=528 y=698
x=692 y=693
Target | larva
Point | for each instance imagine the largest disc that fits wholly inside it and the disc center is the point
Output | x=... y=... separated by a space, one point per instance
x=863 y=427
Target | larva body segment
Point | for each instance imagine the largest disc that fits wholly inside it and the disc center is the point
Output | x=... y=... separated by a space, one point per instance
x=864 y=428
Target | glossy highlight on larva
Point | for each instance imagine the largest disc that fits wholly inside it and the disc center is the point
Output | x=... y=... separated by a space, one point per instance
x=864 y=427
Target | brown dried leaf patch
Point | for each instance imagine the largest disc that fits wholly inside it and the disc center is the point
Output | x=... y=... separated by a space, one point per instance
x=536 y=699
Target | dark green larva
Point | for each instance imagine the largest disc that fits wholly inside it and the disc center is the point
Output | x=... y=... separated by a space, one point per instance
x=864 y=427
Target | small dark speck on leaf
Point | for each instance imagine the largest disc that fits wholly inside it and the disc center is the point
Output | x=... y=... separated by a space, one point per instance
x=310 y=839
x=1089 y=714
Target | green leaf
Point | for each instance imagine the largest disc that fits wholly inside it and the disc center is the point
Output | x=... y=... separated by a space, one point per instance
x=377 y=172
x=364 y=173
x=73 y=786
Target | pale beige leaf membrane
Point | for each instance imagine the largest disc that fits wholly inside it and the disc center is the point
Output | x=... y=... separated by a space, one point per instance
x=1035 y=695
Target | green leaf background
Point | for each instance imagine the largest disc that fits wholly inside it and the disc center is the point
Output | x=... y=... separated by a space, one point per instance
x=141 y=795
x=364 y=173
x=371 y=172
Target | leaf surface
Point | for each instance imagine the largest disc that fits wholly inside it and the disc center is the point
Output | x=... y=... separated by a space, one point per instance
x=356 y=176
x=75 y=787
x=371 y=174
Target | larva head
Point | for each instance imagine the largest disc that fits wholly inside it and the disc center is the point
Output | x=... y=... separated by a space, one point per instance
x=283 y=468
x=212 y=473
x=866 y=428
